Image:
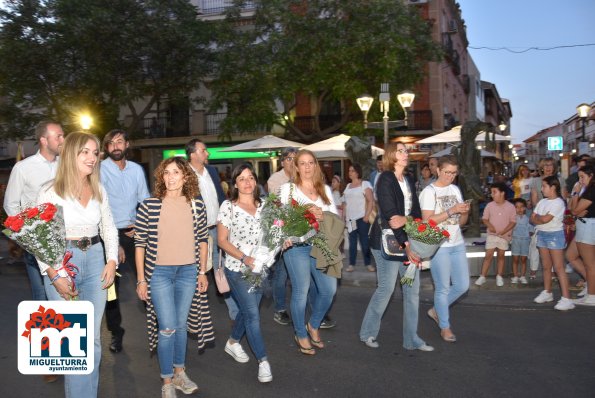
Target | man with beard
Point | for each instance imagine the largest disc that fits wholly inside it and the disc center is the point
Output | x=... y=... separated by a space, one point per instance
x=25 y=181
x=212 y=195
x=126 y=188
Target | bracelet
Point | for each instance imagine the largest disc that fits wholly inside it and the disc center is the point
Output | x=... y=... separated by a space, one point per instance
x=55 y=278
x=243 y=258
x=201 y=272
x=139 y=282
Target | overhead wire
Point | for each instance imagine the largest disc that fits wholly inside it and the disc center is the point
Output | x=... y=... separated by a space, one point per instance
x=530 y=48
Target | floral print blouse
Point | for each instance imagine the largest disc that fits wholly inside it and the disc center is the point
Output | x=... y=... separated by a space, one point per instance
x=244 y=230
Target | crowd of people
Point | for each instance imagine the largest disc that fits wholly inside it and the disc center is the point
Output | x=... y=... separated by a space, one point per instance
x=171 y=238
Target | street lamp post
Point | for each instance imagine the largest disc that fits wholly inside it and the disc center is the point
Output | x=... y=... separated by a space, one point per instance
x=365 y=101
x=583 y=112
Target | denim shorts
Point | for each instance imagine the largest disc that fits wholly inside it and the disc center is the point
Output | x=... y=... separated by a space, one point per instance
x=585 y=231
x=554 y=240
x=520 y=246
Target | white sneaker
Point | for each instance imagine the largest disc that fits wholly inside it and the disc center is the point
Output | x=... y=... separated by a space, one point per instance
x=237 y=352
x=564 y=304
x=183 y=383
x=499 y=281
x=514 y=280
x=168 y=391
x=587 y=300
x=264 y=372
x=583 y=292
x=371 y=342
x=481 y=280
x=544 y=297
x=523 y=280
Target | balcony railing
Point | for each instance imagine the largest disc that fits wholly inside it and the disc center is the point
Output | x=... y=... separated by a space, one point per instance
x=419 y=120
x=219 y=6
x=213 y=123
x=306 y=123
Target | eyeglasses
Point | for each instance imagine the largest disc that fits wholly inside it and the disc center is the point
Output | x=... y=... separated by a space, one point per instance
x=290 y=158
x=402 y=151
x=451 y=173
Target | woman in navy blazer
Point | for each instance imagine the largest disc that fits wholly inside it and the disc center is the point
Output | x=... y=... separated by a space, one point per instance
x=396 y=200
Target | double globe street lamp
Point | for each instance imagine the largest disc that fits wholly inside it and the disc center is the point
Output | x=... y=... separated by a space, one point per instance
x=365 y=101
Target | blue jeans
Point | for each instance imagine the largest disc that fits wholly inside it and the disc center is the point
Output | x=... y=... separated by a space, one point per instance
x=362 y=233
x=172 y=289
x=248 y=319
x=35 y=278
x=279 y=284
x=449 y=264
x=232 y=308
x=387 y=273
x=300 y=266
x=88 y=283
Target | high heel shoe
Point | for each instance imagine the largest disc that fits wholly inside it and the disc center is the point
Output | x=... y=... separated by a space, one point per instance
x=315 y=343
x=302 y=349
x=449 y=338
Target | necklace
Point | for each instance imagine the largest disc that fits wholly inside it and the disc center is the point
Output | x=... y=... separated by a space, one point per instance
x=82 y=191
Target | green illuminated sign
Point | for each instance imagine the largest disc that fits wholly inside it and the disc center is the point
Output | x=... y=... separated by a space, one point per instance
x=216 y=154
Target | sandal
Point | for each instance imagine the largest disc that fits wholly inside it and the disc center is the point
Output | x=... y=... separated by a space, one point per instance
x=449 y=338
x=315 y=343
x=432 y=314
x=302 y=349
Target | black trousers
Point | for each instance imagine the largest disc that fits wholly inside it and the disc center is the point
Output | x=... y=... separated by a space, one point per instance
x=113 y=317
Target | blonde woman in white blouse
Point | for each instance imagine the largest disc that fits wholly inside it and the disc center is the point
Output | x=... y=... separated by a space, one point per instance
x=87 y=216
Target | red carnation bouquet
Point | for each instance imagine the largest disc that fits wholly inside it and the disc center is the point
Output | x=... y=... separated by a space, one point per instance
x=425 y=237
x=40 y=230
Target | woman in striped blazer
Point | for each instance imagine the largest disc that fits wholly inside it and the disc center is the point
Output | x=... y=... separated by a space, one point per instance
x=171 y=260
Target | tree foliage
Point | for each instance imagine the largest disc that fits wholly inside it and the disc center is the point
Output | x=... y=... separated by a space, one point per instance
x=60 y=56
x=329 y=50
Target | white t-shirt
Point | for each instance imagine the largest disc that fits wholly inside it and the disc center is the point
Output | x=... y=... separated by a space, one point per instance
x=355 y=201
x=440 y=199
x=301 y=197
x=556 y=208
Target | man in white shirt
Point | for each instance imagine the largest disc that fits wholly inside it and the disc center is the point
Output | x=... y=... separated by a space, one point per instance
x=279 y=278
x=212 y=194
x=126 y=187
x=25 y=181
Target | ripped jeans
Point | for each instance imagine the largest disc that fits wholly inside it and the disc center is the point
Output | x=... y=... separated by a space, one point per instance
x=172 y=289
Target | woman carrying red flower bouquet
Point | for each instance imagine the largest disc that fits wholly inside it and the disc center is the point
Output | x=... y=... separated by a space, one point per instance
x=442 y=202
x=308 y=188
x=87 y=216
x=396 y=200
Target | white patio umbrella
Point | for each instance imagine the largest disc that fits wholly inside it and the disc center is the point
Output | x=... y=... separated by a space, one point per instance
x=448 y=151
x=454 y=135
x=268 y=143
x=334 y=147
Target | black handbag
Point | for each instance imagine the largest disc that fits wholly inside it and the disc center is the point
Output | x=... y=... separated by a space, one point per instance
x=390 y=247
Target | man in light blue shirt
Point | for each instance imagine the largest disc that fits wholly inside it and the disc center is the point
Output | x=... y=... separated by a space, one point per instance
x=126 y=188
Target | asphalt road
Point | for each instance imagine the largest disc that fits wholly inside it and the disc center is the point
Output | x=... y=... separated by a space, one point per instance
x=507 y=347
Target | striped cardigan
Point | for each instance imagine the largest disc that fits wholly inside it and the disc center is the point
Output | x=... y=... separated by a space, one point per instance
x=147 y=220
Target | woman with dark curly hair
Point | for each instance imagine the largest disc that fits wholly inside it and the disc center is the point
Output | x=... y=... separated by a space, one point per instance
x=171 y=254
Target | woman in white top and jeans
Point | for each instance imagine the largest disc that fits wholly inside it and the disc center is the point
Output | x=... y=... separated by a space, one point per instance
x=359 y=203
x=238 y=230
x=548 y=220
x=309 y=188
x=87 y=216
x=443 y=203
